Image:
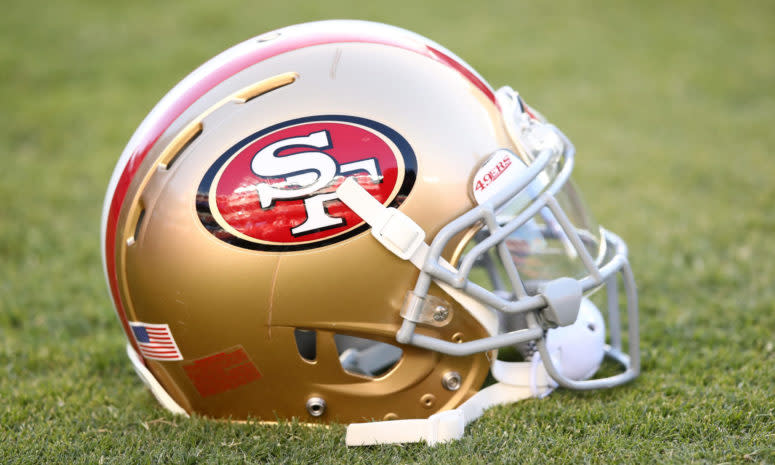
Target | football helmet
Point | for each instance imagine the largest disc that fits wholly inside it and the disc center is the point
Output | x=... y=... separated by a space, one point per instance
x=342 y=221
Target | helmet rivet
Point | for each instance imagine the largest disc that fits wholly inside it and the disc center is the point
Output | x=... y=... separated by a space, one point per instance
x=440 y=313
x=316 y=406
x=451 y=380
x=428 y=400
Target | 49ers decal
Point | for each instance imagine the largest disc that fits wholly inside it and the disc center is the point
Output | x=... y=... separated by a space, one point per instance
x=276 y=189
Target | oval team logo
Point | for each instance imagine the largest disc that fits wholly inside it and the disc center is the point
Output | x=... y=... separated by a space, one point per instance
x=276 y=189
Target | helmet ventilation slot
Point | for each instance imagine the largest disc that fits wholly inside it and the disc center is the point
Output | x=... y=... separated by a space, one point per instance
x=187 y=136
x=178 y=145
x=306 y=343
x=140 y=216
x=267 y=85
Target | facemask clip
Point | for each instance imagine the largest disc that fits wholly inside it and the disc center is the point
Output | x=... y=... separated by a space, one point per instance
x=428 y=310
x=563 y=299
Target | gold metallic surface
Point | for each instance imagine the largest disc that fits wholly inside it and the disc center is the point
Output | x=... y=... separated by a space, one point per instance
x=214 y=295
x=457 y=253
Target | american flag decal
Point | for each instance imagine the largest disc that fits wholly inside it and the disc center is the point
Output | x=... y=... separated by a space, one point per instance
x=155 y=341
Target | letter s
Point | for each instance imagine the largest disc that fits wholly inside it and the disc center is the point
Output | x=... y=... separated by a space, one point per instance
x=311 y=171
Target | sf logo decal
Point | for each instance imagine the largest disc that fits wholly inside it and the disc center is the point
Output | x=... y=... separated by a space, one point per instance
x=276 y=189
x=305 y=175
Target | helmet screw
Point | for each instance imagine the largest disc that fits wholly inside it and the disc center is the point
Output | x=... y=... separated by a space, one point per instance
x=440 y=313
x=316 y=406
x=451 y=380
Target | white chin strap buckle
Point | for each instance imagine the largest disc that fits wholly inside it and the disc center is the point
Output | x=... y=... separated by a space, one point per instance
x=436 y=429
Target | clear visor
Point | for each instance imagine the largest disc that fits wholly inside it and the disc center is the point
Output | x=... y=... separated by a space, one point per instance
x=540 y=249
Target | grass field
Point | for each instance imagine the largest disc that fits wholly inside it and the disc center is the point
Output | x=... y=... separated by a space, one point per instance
x=671 y=106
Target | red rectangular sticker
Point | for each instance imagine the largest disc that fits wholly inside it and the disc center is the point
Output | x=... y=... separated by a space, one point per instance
x=222 y=372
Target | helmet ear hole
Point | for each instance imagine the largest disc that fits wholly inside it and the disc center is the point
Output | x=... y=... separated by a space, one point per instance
x=366 y=357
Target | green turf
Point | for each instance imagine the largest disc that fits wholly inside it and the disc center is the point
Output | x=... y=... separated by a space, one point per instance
x=671 y=105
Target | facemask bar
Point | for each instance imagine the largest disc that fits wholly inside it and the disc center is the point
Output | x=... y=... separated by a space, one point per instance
x=536 y=307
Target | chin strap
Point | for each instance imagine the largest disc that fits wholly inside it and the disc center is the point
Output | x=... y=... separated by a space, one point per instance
x=391 y=227
x=516 y=381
